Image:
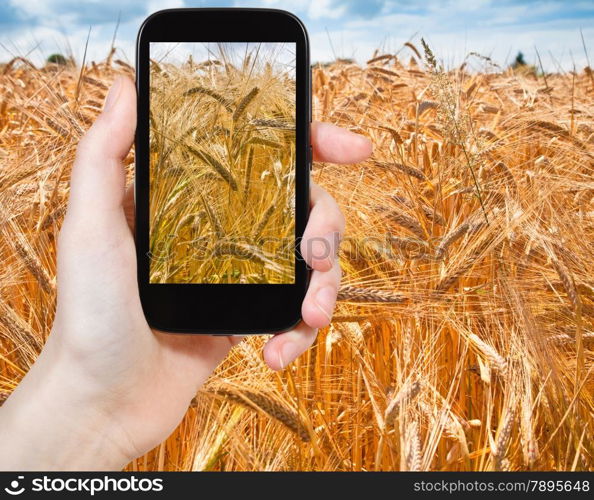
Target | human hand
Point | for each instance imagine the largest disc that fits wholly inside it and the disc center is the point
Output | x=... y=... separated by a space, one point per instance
x=107 y=388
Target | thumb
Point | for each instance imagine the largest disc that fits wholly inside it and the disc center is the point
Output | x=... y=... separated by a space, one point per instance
x=98 y=180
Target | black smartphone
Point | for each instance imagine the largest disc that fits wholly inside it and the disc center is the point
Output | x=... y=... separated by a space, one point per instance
x=222 y=161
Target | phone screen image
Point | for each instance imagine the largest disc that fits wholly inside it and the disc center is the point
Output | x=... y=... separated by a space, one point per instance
x=222 y=163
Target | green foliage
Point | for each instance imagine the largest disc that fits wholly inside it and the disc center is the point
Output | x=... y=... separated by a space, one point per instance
x=57 y=59
x=519 y=61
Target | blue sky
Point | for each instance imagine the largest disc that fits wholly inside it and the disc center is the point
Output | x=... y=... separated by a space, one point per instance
x=342 y=28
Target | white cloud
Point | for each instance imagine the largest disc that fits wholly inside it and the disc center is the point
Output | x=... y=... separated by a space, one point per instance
x=326 y=9
x=155 y=5
x=488 y=35
x=453 y=28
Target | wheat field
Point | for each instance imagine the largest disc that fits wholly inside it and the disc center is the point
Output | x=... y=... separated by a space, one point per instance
x=463 y=338
x=222 y=168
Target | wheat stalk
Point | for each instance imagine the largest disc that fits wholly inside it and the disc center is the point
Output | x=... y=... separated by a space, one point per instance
x=429 y=212
x=489 y=352
x=413 y=447
x=33 y=264
x=406 y=169
x=28 y=342
x=53 y=217
x=261 y=401
x=504 y=432
x=382 y=58
x=460 y=270
x=403 y=220
x=568 y=282
x=244 y=103
x=404 y=396
x=454 y=235
x=262 y=141
x=383 y=71
x=413 y=48
x=564 y=339
x=357 y=294
x=216 y=165
x=269 y=123
x=214 y=220
x=211 y=93
x=529 y=444
x=264 y=220
x=248 y=173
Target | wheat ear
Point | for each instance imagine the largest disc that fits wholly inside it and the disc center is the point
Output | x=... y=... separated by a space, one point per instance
x=529 y=444
x=33 y=264
x=405 y=221
x=214 y=220
x=248 y=173
x=502 y=440
x=211 y=93
x=449 y=280
x=406 y=394
x=450 y=238
x=264 y=220
x=260 y=401
x=356 y=294
x=489 y=353
x=262 y=141
x=431 y=214
x=244 y=103
x=269 y=123
x=216 y=165
x=413 y=447
x=406 y=169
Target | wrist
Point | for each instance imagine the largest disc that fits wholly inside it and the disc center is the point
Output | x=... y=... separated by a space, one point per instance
x=48 y=423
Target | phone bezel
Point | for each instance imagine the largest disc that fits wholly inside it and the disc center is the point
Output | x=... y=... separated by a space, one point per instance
x=222 y=308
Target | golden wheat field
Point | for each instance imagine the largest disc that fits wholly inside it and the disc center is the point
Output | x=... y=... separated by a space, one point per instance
x=464 y=333
x=223 y=167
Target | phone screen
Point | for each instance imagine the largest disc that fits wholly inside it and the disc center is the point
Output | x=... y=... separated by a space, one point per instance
x=222 y=163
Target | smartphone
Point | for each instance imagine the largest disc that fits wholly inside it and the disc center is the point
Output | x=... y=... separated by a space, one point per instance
x=222 y=165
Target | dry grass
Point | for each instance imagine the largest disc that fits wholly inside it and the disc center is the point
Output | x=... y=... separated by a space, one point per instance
x=472 y=352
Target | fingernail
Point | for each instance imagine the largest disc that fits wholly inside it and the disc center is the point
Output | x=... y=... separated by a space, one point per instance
x=363 y=140
x=326 y=247
x=114 y=93
x=325 y=300
x=362 y=145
